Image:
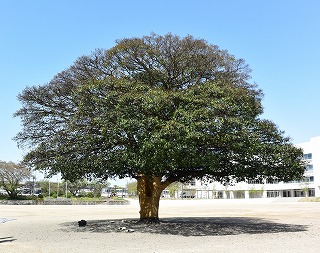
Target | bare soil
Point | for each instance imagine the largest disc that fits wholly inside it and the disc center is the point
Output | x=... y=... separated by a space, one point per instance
x=261 y=225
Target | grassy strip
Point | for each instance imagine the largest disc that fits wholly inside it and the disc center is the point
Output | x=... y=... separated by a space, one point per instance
x=87 y=199
x=310 y=199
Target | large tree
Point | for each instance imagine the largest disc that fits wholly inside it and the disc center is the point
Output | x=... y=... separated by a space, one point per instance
x=11 y=176
x=159 y=109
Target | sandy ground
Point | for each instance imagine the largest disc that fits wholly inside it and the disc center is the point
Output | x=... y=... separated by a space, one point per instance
x=188 y=226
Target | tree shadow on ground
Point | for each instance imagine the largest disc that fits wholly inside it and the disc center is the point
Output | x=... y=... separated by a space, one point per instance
x=189 y=226
x=7 y=239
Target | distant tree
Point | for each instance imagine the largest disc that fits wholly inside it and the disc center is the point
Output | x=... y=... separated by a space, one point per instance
x=11 y=175
x=159 y=109
x=132 y=188
x=44 y=186
x=173 y=188
x=76 y=186
x=96 y=187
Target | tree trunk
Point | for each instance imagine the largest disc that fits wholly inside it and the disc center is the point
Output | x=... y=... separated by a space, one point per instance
x=12 y=194
x=149 y=192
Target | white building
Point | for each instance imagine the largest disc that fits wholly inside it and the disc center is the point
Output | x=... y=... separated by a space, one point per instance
x=308 y=187
x=312 y=154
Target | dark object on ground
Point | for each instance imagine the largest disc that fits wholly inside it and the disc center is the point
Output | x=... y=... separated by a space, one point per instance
x=82 y=223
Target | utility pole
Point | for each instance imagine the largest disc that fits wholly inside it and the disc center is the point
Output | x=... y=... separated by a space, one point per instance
x=66 y=189
x=58 y=190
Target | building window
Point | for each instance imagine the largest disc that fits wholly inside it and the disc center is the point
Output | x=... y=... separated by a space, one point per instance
x=238 y=194
x=272 y=181
x=255 y=181
x=299 y=193
x=304 y=180
x=286 y=193
x=309 y=168
x=192 y=182
x=273 y=194
x=311 y=192
x=307 y=156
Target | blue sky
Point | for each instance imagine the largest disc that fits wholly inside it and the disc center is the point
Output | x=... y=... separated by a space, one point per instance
x=279 y=39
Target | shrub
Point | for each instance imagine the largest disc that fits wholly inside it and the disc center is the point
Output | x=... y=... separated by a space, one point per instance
x=69 y=195
x=90 y=195
x=3 y=196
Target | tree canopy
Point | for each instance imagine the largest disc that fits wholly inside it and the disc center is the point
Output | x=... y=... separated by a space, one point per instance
x=11 y=175
x=159 y=109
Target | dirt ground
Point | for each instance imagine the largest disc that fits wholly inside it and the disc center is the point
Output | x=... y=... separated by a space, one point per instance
x=261 y=225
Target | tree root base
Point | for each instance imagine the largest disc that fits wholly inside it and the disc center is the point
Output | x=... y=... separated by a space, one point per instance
x=149 y=221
